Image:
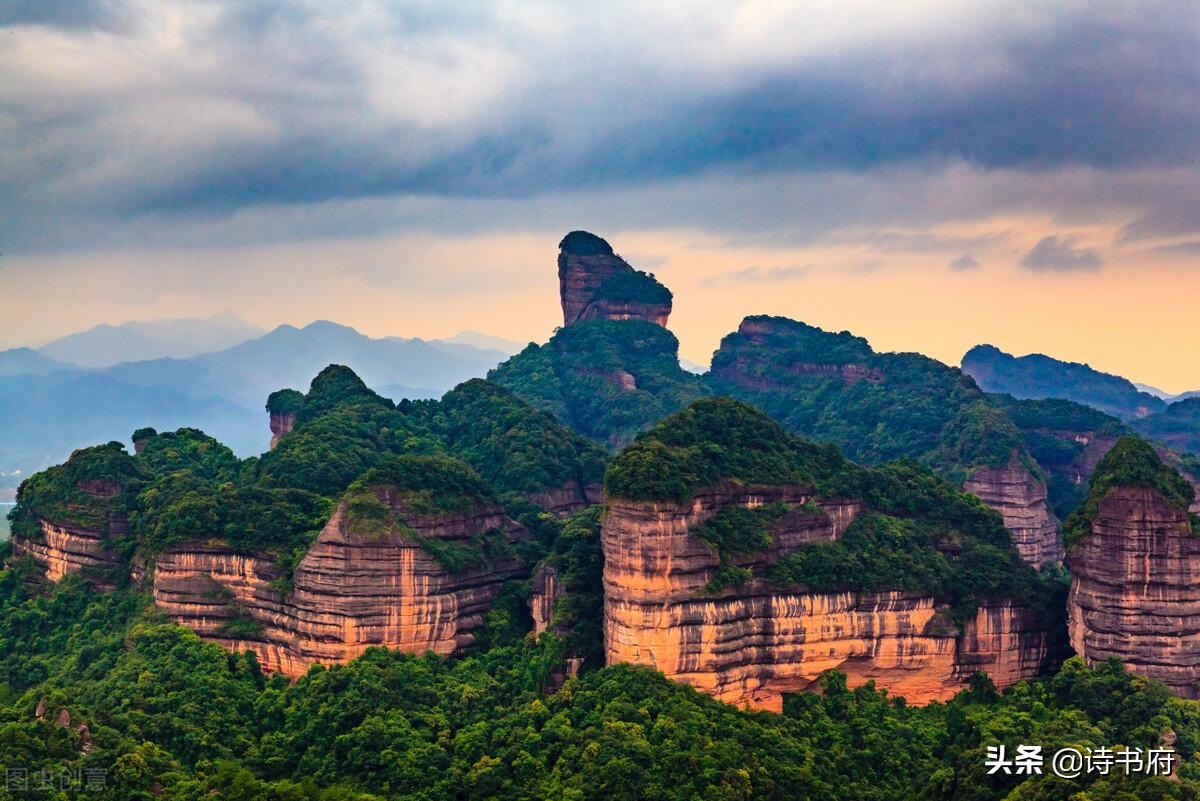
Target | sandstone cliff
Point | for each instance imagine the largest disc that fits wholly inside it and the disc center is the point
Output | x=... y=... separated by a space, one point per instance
x=570 y=497
x=281 y=424
x=356 y=587
x=596 y=283
x=749 y=645
x=63 y=549
x=1135 y=589
x=69 y=517
x=1020 y=498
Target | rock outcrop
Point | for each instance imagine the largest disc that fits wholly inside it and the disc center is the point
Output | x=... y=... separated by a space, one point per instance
x=1020 y=498
x=751 y=644
x=596 y=283
x=1135 y=589
x=547 y=589
x=281 y=424
x=570 y=497
x=353 y=589
x=61 y=550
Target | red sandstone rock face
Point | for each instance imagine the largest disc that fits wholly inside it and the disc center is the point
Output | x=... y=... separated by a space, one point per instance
x=1020 y=498
x=281 y=423
x=1135 y=590
x=65 y=549
x=351 y=591
x=547 y=589
x=580 y=276
x=570 y=497
x=752 y=644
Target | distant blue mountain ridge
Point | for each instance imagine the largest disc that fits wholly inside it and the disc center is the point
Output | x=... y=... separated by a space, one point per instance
x=49 y=407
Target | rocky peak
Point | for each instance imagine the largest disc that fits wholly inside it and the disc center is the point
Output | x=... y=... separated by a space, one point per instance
x=1135 y=569
x=596 y=283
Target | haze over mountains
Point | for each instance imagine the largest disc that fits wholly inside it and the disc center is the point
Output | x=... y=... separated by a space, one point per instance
x=50 y=406
x=105 y=345
x=1037 y=376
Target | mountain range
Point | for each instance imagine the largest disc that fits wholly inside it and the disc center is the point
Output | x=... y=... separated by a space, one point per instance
x=49 y=406
x=105 y=345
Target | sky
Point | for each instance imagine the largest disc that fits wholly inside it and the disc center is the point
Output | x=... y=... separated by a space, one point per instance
x=929 y=175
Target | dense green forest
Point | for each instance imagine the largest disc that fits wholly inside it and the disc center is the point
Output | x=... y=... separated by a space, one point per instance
x=582 y=376
x=169 y=716
x=898 y=405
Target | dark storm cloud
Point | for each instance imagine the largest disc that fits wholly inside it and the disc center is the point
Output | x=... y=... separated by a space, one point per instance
x=1054 y=254
x=268 y=103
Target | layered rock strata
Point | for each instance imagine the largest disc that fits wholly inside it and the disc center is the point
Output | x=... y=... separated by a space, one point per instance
x=62 y=550
x=570 y=497
x=1135 y=589
x=751 y=644
x=353 y=589
x=586 y=264
x=1020 y=498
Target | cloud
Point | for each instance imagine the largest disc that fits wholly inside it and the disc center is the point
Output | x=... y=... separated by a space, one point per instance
x=866 y=267
x=761 y=275
x=920 y=241
x=1052 y=254
x=964 y=262
x=119 y=115
x=1190 y=247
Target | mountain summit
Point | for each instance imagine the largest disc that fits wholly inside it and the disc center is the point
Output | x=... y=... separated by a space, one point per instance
x=596 y=283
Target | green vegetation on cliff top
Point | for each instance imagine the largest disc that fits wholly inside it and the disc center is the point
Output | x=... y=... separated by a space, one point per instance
x=285 y=401
x=720 y=439
x=90 y=491
x=582 y=376
x=184 y=485
x=515 y=447
x=1131 y=462
x=889 y=406
x=633 y=286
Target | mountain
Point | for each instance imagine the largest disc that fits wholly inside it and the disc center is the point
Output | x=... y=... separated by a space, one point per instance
x=1178 y=425
x=106 y=345
x=43 y=418
x=1134 y=555
x=378 y=541
x=1164 y=395
x=878 y=407
x=45 y=415
x=613 y=369
x=409 y=518
x=287 y=356
x=486 y=342
x=725 y=537
x=26 y=361
x=1038 y=376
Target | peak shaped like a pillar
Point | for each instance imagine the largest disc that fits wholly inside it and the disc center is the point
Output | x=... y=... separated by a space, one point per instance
x=596 y=283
